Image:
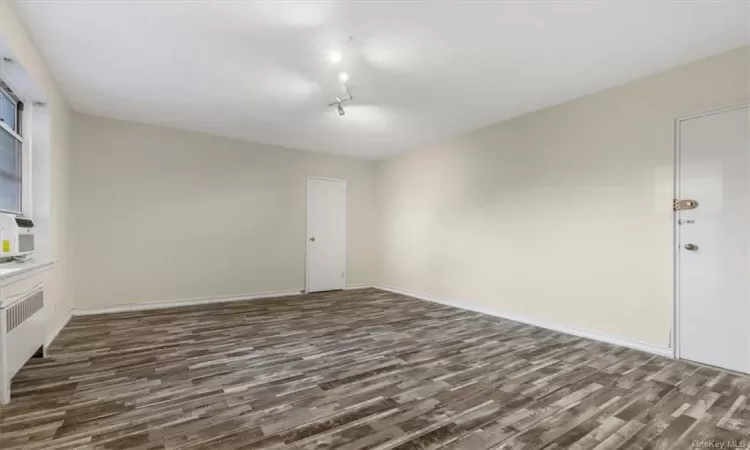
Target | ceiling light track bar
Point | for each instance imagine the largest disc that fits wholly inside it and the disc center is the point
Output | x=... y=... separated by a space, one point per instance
x=340 y=100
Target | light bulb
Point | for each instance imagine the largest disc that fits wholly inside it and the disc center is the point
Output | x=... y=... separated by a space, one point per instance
x=334 y=56
x=343 y=77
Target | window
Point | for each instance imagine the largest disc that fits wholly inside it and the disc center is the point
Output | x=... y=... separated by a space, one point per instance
x=10 y=155
x=8 y=110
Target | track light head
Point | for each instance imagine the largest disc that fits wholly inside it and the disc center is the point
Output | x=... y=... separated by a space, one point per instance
x=340 y=109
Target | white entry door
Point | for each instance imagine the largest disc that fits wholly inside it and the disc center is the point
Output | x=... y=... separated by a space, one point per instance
x=326 y=234
x=713 y=239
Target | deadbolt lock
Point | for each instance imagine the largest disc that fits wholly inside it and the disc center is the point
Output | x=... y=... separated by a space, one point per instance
x=679 y=205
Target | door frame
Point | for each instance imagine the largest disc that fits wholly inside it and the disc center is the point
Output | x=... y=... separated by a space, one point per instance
x=675 y=335
x=307 y=227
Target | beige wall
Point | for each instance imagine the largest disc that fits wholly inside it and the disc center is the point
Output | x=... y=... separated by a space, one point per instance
x=163 y=215
x=561 y=216
x=58 y=113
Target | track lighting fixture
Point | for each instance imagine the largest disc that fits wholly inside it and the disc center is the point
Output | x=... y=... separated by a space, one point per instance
x=335 y=57
x=340 y=100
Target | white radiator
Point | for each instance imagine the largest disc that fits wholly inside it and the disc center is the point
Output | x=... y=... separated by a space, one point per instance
x=21 y=333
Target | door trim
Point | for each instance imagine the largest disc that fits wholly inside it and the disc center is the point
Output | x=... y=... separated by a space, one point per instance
x=307 y=228
x=675 y=335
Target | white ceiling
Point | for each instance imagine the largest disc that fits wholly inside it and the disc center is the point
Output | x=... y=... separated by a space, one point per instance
x=17 y=78
x=419 y=71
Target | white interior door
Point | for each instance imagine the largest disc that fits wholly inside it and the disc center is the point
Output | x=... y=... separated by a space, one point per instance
x=326 y=234
x=713 y=277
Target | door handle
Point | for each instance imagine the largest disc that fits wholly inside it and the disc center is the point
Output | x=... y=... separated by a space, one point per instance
x=312 y=239
x=691 y=247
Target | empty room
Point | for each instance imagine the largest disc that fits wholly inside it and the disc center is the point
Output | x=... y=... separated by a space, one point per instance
x=374 y=224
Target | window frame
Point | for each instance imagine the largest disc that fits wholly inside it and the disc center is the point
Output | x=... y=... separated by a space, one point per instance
x=15 y=100
x=16 y=134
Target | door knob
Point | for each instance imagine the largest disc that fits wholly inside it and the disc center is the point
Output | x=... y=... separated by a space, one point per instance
x=312 y=239
x=691 y=247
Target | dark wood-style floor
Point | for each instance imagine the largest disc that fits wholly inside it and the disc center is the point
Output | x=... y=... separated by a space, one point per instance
x=355 y=370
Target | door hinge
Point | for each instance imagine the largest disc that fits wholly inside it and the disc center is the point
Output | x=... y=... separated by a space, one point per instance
x=342 y=274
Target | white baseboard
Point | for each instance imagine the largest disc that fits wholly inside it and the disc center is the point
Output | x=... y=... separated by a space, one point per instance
x=597 y=336
x=198 y=301
x=185 y=302
x=615 y=340
x=58 y=327
x=357 y=286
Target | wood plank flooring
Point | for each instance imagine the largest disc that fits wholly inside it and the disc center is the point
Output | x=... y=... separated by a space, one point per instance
x=359 y=369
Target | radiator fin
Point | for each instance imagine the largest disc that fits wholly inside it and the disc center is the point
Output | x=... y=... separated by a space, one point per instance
x=18 y=313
